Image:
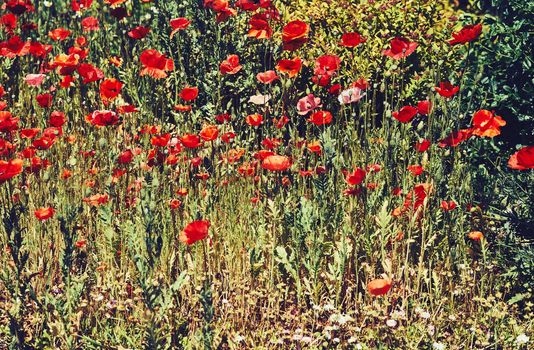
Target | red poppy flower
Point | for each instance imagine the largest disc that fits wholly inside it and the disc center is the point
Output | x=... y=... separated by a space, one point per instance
x=155 y=64
x=259 y=26
x=8 y=122
x=400 y=48
x=522 y=159
x=327 y=65
x=281 y=122
x=56 y=119
x=161 y=140
x=44 y=100
x=294 y=35
x=254 y=119
x=267 y=77
x=209 y=133
x=475 y=235
x=455 y=138
x=89 y=73
x=178 y=24
x=271 y=143
x=361 y=84
x=174 y=204
x=448 y=206
x=29 y=133
x=416 y=170
x=222 y=7
x=44 y=142
x=356 y=177
x=335 y=89
x=125 y=157
x=276 y=163
x=103 y=118
x=67 y=64
x=467 y=34
x=44 y=213
x=78 y=5
x=190 y=141
x=424 y=107
x=195 y=231
x=10 y=169
x=321 y=118
x=446 y=89
x=252 y=5
x=221 y=118
x=422 y=146
x=182 y=108
x=9 y=22
x=290 y=67
x=127 y=109
x=230 y=65
x=14 y=47
x=379 y=286
x=352 y=39
x=110 y=89
x=90 y=24
x=138 y=33
x=189 y=93
x=405 y=114
x=487 y=124
x=59 y=34
x=96 y=200
x=36 y=165
x=39 y=50
x=263 y=153
x=315 y=147
x=2 y=91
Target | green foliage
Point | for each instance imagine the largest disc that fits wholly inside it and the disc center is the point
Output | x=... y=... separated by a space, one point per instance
x=505 y=81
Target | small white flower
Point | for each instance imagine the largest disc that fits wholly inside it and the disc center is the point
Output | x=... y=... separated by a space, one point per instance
x=438 y=346
x=47 y=3
x=306 y=339
x=425 y=315
x=391 y=323
x=238 y=338
x=522 y=339
x=328 y=307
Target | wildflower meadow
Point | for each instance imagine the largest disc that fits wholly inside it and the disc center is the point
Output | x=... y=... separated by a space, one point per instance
x=266 y=174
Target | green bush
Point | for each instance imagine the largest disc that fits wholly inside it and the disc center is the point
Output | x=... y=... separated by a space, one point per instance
x=503 y=80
